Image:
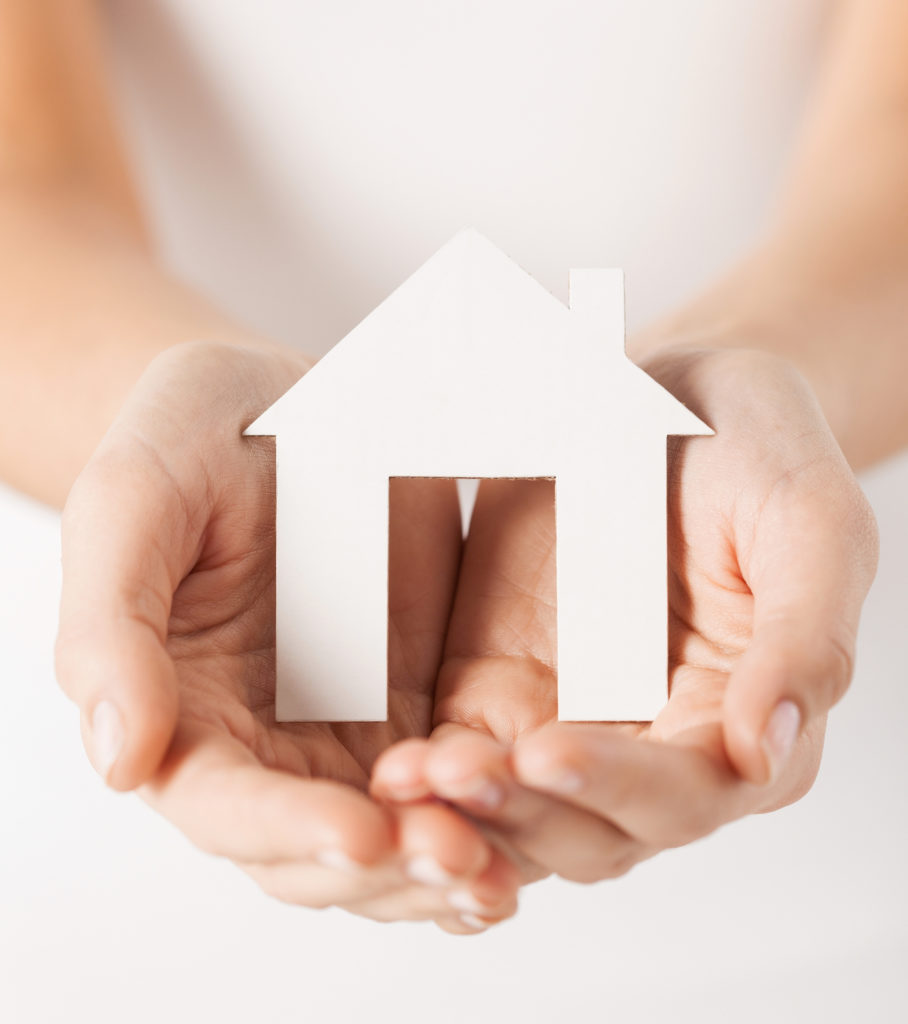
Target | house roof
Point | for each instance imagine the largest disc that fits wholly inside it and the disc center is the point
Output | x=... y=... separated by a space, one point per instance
x=470 y=305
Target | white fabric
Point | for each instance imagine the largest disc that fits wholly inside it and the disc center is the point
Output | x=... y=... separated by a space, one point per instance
x=302 y=158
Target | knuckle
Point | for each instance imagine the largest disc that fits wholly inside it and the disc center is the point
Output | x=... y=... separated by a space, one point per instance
x=835 y=673
x=841 y=667
x=196 y=355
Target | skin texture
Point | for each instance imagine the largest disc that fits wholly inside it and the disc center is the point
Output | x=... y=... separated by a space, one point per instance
x=755 y=531
x=796 y=356
x=169 y=631
x=165 y=635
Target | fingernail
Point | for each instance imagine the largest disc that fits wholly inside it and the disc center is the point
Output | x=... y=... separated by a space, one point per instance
x=463 y=899
x=487 y=794
x=565 y=782
x=780 y=736
x=427 y=870
x=338 y=860
x=480 y=792
x=106 y=737
x=472 y=921
x=568 y=782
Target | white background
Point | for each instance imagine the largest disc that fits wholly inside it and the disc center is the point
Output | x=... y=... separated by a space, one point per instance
x=108 y=915
x=300 y=160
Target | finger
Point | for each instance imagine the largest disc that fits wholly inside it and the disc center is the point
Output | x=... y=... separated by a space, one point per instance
x=468 y=906
x=215 y=791
x=126 y=542
x=473 y=912
x=307 y=883
x=398 y=773
x=489 y=900
x=464 y=924
x=473 y=771
x=490 y=897
x=661 y=794
x=812 y=565
x=438 y=846
x=399 y=777
x=440 y=862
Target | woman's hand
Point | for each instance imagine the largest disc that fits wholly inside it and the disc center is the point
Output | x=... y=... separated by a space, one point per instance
x=772 y=548
x=166 y=644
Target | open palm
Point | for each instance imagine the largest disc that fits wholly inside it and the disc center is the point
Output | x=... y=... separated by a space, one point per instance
x=771 y=551
x=167 y=643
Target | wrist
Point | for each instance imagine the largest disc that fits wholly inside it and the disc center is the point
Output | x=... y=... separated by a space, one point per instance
x=733 y=318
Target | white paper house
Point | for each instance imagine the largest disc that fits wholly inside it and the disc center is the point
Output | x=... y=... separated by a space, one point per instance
x=472 y=369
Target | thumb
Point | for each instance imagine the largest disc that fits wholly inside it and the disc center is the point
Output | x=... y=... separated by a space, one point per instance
x=809 y=572
x=126 y=540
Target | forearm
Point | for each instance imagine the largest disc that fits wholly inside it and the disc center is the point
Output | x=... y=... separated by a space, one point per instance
x=827 y=287
x=844 y=328
x=84 y=305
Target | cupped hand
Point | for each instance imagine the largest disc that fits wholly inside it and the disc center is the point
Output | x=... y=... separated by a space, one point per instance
x=772 y=548
x=166 y=644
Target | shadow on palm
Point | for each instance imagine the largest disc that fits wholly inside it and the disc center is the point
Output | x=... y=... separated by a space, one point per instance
x=769 y=498
x=222 y=633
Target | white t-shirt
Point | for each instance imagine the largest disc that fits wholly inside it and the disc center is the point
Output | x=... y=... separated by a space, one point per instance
x=300 y=159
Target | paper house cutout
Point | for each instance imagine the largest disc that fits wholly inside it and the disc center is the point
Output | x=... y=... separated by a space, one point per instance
x=472 y=369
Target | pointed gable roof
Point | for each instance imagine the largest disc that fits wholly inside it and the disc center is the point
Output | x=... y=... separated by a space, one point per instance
x=447 y=286
x=468 y=280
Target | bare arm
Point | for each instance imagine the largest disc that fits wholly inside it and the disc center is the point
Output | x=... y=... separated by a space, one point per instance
x=827 y=287
x=84 y=304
